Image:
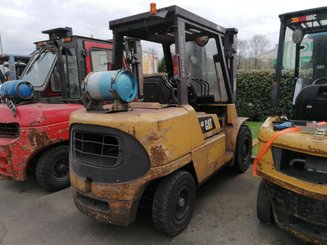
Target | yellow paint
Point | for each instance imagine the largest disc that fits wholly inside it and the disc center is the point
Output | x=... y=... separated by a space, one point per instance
x=209 y=157
x=299 y=142
x=171 y=133
x=231 y=114
x=171 y=136
x=130 y=190
x=166 y=134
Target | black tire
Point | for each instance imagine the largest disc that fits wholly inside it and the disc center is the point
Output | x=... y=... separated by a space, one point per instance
x=264 y=208
x=173 y=203
x=243 y=149
x=52 y=168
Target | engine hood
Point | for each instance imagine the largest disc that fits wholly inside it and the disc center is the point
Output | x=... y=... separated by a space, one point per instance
x=300 y=141
x=37 y=114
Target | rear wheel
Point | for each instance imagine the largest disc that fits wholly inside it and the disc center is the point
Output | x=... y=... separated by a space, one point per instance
x=243 y=149
x=52 y=169
x=174 y=202
x=264 y=208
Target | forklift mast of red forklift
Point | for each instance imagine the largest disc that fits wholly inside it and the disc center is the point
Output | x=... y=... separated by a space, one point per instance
x=56 y=36
x=60 y=63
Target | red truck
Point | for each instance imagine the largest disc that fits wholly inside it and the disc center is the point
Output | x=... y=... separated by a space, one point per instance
x=34 y=133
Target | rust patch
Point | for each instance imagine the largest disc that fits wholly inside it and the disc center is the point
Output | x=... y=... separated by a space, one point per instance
x=37 y=138
x=294 y=188
x=62 y=131
x=152 y=137
x=158 y=155
x=158 y=126
x=316 y=150
x=24 y=148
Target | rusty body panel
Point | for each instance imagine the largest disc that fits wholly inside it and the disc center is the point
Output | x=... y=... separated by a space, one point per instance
x=122 y=199
x=156 y=130
x=301 y=215
x=299 y=200
x=40 y=126
x=171 y=136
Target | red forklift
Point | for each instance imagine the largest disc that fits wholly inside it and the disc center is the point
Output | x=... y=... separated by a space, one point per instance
x=34 y=130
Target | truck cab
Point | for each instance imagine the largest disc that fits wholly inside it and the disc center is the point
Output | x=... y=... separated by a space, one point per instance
x=34 y=131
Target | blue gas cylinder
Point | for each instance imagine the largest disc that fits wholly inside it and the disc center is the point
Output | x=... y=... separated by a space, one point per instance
x=111 y=85
x=17 y=88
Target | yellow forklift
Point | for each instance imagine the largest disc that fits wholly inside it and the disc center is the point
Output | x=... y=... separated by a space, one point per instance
x=180 y=131
x=292 y=158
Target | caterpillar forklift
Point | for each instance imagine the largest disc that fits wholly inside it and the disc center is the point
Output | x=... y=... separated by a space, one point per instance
x=292 y=158
x=178 y=134
x=34 y=123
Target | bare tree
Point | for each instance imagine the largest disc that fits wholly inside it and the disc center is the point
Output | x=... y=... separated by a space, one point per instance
x=258 y=44
x=242 y=47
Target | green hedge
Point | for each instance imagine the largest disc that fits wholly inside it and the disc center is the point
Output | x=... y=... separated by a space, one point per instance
x=253 y=94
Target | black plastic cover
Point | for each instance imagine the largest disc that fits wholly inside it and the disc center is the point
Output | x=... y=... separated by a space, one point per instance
x=106 y=155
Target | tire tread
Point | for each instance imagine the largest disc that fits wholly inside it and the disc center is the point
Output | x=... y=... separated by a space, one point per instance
x=42 y=169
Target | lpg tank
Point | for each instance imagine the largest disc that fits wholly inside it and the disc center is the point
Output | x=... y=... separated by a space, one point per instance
x=111 y=85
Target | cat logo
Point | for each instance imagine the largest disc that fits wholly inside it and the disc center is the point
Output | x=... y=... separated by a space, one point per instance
x=207 y=124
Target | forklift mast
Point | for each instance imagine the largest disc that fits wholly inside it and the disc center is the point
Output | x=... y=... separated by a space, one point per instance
x=60 y=63
x=230 y=45
x=56 y=35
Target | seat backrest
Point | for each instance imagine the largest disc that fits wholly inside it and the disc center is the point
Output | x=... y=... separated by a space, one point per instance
x=311 y=103
x=156 y=88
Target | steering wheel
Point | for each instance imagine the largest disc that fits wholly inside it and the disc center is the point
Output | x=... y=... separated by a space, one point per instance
x=318 y=81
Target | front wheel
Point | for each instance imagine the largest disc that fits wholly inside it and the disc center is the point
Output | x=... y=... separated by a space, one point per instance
x=264 y=208
x=52 y=169
x=174 y=202
x=243 y=149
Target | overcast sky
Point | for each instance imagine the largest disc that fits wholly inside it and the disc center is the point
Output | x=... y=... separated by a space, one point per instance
x=23 y=20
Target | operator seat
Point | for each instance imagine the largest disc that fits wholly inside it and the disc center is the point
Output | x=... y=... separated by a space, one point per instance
x=156 y=88
x=311 y=103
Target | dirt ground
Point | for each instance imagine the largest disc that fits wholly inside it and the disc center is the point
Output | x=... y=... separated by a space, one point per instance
x=225 y=214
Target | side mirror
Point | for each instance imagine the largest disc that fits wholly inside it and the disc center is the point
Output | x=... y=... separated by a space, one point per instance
x=297 y=36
